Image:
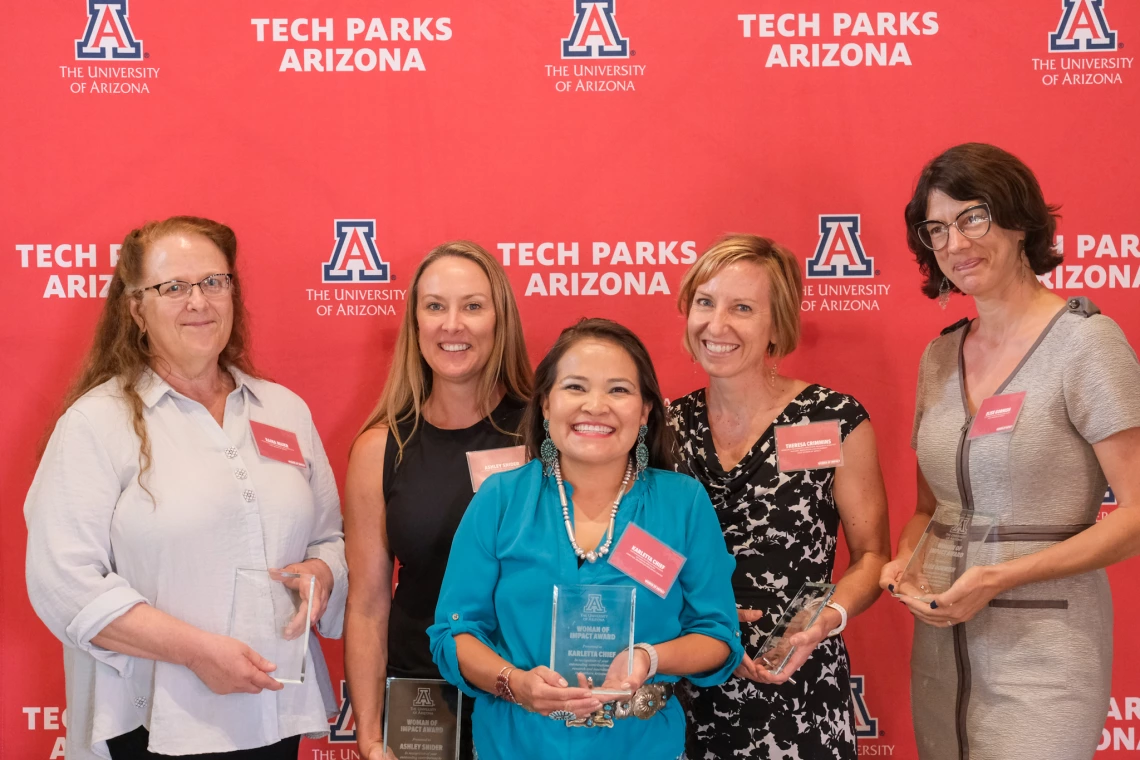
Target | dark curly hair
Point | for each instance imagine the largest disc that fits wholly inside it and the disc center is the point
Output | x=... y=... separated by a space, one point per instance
x=659 y=438
x=977 y=171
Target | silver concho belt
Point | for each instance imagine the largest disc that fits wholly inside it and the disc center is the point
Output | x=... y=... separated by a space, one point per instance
x=644 y=704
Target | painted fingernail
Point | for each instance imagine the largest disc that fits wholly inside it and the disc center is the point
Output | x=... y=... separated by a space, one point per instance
x=934 y=605
x=890 y=587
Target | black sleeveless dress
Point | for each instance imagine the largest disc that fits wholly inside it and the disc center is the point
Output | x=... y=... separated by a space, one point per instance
x=425 y=496
x=782 y=527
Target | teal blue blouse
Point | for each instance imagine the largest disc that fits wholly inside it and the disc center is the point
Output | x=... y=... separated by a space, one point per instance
x=509 y=552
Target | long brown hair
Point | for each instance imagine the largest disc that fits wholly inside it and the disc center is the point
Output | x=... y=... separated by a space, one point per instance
x=410 y=378
x=121 y=350
x=659 y=437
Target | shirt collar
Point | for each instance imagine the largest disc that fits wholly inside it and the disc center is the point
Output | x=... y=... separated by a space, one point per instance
x=151 y=386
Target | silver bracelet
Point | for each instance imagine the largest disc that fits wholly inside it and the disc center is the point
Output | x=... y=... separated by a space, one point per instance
x=842 y=618
x=649 y=650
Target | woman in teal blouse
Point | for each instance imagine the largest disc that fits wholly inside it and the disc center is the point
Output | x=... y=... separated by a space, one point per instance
x=597 y=423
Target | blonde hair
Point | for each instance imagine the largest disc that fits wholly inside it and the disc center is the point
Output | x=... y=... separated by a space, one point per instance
x=409 y=378
x=785 y=284
x=121 y=350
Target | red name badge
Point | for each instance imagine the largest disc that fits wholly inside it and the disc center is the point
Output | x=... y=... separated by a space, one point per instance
x=997 y=414
x=647 y=560
x=275 y=443
x=814 y=446
x=483 y=464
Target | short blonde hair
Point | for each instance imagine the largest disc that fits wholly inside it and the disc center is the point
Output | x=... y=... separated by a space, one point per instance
x=786 y=284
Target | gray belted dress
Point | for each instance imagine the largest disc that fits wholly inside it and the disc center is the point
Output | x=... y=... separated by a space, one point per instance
x=1029 y=676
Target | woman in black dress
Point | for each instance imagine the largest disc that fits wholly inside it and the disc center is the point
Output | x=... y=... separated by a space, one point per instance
x=459 y=381
x=741 y=300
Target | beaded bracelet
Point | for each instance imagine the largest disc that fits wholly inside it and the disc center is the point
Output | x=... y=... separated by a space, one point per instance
x=503 y=685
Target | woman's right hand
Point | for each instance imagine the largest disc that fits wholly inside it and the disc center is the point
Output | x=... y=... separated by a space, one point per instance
x=228 y=666
x=375 y=751
x=543 y=691
x=892 y=573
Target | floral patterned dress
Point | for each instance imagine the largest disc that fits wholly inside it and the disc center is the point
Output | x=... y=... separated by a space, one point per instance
x=782 y=527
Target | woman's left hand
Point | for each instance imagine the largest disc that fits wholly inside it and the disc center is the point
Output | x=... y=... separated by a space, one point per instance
x=804 y=642
x=322 y=589
x=969 y=595
x=619 y=676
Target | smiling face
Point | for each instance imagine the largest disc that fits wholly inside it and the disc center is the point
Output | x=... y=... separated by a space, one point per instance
x=595 y=407
x=729 y=324
x=193 y=331
x=975 y=266
x=456 y=318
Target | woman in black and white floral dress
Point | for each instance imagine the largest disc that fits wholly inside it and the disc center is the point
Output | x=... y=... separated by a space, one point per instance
x=741 y=300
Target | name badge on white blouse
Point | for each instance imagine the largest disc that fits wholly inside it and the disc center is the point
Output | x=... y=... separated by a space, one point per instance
x=997 y=414
x=483 y=464
x=275 y=443
x=815 y=446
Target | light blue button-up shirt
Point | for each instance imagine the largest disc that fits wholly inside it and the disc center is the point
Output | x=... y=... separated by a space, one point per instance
x=509 y=552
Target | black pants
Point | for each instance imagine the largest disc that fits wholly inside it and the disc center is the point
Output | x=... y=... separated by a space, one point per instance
x=132 y=746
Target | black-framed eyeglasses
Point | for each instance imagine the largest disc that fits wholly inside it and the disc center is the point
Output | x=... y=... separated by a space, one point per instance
x=212 y=286
x=973 y=222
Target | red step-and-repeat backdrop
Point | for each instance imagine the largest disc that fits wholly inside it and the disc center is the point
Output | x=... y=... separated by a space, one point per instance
x=596 y=147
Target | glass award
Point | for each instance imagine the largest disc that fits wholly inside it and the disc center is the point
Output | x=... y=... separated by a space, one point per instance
x=270 y=614
x=591 y=626
x=954 y=540
x=800 y=615
x=421 y=719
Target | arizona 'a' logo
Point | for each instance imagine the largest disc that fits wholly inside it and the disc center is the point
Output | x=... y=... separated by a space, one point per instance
x=840 y=251
x=866 y=727
x=342 y=730
x=594 y=604
x=595 y=33
x=108 y=34
x=355 y=257
x=1082 y=27
x=423 y=697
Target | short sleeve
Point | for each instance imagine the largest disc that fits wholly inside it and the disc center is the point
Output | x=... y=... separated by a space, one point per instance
x=706 y=586
x=1101 y=380
x=69 y=565
x=851 y=415
x=467 y=598
x=920 y=396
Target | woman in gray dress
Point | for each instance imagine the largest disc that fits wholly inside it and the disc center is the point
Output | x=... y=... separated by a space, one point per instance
x=1014 y=660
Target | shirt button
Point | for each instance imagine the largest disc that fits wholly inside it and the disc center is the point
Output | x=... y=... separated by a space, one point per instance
x=455 y=616
x=247 y=494
x=231 y=452
x=240 y=473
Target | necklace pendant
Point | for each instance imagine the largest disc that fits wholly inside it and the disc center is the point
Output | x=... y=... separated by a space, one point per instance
x=591 y=557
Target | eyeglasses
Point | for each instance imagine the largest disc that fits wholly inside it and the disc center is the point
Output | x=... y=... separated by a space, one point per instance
x=214 y=286
x=974 y=222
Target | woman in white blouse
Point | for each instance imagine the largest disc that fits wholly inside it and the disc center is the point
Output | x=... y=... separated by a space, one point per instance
x=152 y=491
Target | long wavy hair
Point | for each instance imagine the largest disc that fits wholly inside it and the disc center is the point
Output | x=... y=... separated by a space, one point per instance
x=120 y=350
x=409 y=380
